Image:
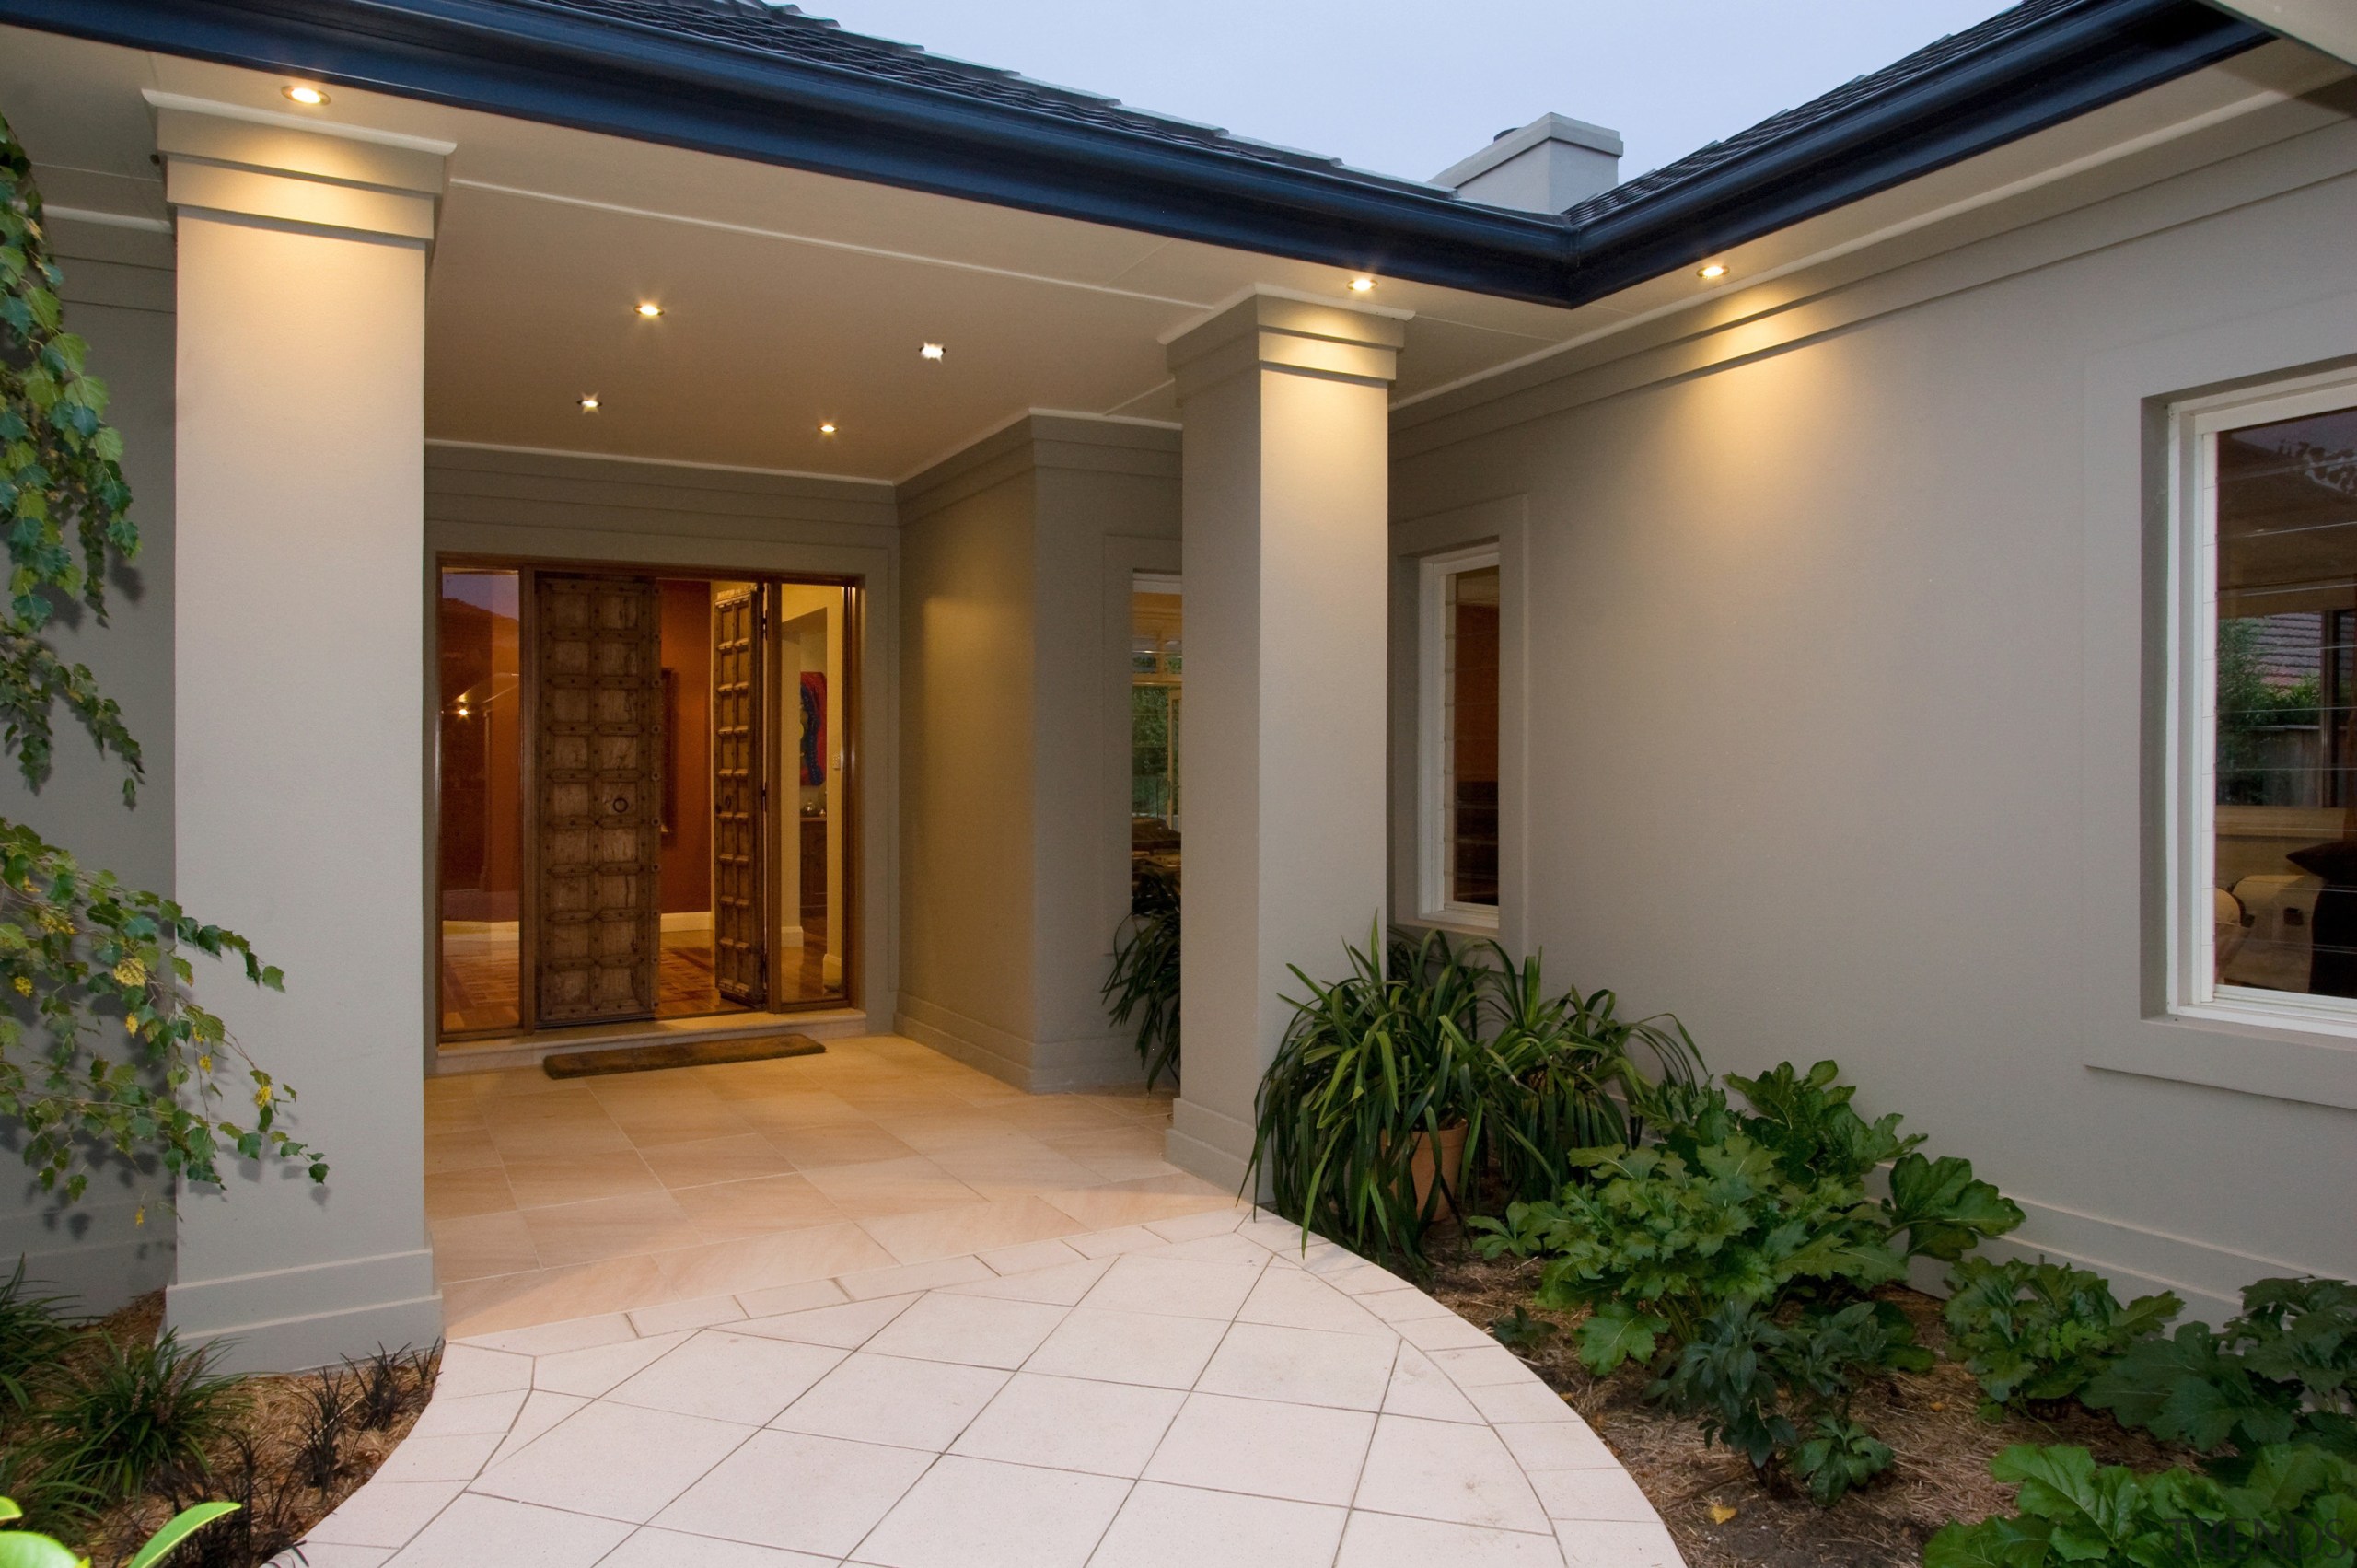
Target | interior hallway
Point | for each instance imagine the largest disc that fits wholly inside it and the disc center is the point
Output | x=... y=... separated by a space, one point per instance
x=550 y=1201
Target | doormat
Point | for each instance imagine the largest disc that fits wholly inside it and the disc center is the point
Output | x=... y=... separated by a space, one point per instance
x=678 y=1054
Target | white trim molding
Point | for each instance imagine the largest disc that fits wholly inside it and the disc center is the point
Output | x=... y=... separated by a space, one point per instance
x=1434 y=706
x=2196 y=990
x=1424 y=549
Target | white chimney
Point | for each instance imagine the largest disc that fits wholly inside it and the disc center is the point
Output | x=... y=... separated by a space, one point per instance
x=1550 y=164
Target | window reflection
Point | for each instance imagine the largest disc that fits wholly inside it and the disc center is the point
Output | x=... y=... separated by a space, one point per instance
x=481 y=819
x=2285 y=894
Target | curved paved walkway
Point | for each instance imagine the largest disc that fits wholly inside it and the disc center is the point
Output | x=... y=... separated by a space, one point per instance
x=1192 y=1393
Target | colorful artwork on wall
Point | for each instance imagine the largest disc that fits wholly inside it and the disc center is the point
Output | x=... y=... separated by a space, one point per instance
x=814 y=727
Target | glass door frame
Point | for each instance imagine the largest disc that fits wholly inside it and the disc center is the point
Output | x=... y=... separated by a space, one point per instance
x=848 y=745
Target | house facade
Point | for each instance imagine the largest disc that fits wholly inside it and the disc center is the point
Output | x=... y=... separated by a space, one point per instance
x=663 y=520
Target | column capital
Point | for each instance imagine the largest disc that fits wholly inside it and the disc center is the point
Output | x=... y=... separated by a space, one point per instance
x=332 y=179
x=1273 y=331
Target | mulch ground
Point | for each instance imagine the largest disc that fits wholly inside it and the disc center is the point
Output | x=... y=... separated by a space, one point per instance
x=1724 y=1517
x=280 y=1501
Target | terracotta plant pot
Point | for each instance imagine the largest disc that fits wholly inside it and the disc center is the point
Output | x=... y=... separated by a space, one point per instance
x=1425 y=1172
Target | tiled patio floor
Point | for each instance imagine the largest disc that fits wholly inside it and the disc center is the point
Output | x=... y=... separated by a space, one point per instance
x=552 y=1200
x=1191 y=1392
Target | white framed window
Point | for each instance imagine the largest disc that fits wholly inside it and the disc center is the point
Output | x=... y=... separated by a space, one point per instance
x=1457 y=751
x=2263 y=707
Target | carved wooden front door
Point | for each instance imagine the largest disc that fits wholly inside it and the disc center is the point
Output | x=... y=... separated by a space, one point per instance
x=600 y=745
x=739 y=953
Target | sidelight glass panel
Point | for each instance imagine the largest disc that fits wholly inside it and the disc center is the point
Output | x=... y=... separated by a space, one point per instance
x=481 y=808
x=1157 y=664
x=1469 y=775
x=2284 y=833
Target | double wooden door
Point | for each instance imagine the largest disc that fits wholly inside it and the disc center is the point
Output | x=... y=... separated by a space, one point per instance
x=599 y=804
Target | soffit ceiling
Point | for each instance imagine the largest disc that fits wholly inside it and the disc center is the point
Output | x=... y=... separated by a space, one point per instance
x=792 y=298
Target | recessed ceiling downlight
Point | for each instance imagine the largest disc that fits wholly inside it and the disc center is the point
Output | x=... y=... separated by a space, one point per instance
x=1711 y=272
x=826 y=427
x=303 y=93
x=934 y=352
x=589 y=404
x=649 y=309
x=1362 y=284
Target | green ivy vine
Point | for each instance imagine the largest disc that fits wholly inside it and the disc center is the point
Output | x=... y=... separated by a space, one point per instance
x=103 y=1048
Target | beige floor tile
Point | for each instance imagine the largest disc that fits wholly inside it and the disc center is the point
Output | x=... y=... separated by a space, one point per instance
x=890 y=1187
x=459 y=1148
x=730 y=1211
x=574 y=1179
x=705 y=1161
x=550 y=1295
x=609 y=1227
x=965 y=1127
x=770 y=1108
x=765 y=1262
x=654 y=1123
x=449 y=1114
x=1014 y=1168
x=1116 y=1153
x=968 y=1227
x=479 y=1245
x=452 y=1193
x=814 y=1148
x=1141 y=1203
x=557 y=1137
x=1043 y=1115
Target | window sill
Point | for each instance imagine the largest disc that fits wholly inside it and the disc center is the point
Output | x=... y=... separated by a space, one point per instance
x=2287 y=1052
x=1464 y=922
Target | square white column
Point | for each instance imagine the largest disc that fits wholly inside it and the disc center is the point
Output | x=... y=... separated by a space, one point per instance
x=300 y=718
x=1285 y=405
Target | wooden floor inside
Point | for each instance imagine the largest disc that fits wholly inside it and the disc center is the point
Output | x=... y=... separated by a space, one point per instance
x=480 y=971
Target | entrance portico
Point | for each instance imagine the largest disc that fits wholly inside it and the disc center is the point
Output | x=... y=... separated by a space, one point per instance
x=412 y=335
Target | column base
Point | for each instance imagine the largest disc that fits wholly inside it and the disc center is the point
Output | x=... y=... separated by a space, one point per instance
x=1210 y=1143
x=292 y=1319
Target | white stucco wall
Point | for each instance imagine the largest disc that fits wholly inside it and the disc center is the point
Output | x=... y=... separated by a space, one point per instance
x=1841 y=703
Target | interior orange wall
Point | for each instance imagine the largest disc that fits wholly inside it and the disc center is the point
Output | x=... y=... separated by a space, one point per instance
x=687 y=651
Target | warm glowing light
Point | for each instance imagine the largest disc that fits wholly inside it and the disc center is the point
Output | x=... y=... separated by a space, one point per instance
x=589 y=404
x=311 y=98
x=1362 y=284
x=826 y=429
x=931 y=351
x=1712 y=273
x=649 y=309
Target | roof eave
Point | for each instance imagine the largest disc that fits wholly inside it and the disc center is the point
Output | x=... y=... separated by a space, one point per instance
x=2096 y=54
x=564 y=68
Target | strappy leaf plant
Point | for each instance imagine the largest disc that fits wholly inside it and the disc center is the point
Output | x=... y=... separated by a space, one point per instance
x=1376 y=1067
x=1144 y=981
x=103 y=1050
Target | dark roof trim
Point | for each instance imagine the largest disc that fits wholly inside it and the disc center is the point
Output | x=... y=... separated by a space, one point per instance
x=543 y=63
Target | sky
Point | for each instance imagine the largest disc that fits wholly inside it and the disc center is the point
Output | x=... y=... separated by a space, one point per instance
x=1409 y=86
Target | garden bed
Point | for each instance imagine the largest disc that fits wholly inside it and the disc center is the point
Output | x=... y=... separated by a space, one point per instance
x=1721 y=1517
x=255 y=1455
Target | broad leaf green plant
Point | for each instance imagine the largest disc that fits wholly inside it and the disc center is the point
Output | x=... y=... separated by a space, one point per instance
x=2032 y=1331
x=2297 y=1508
x=26 y=1549
x=1737 y=1253
x=104 y=1052
x=2282 y=1370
